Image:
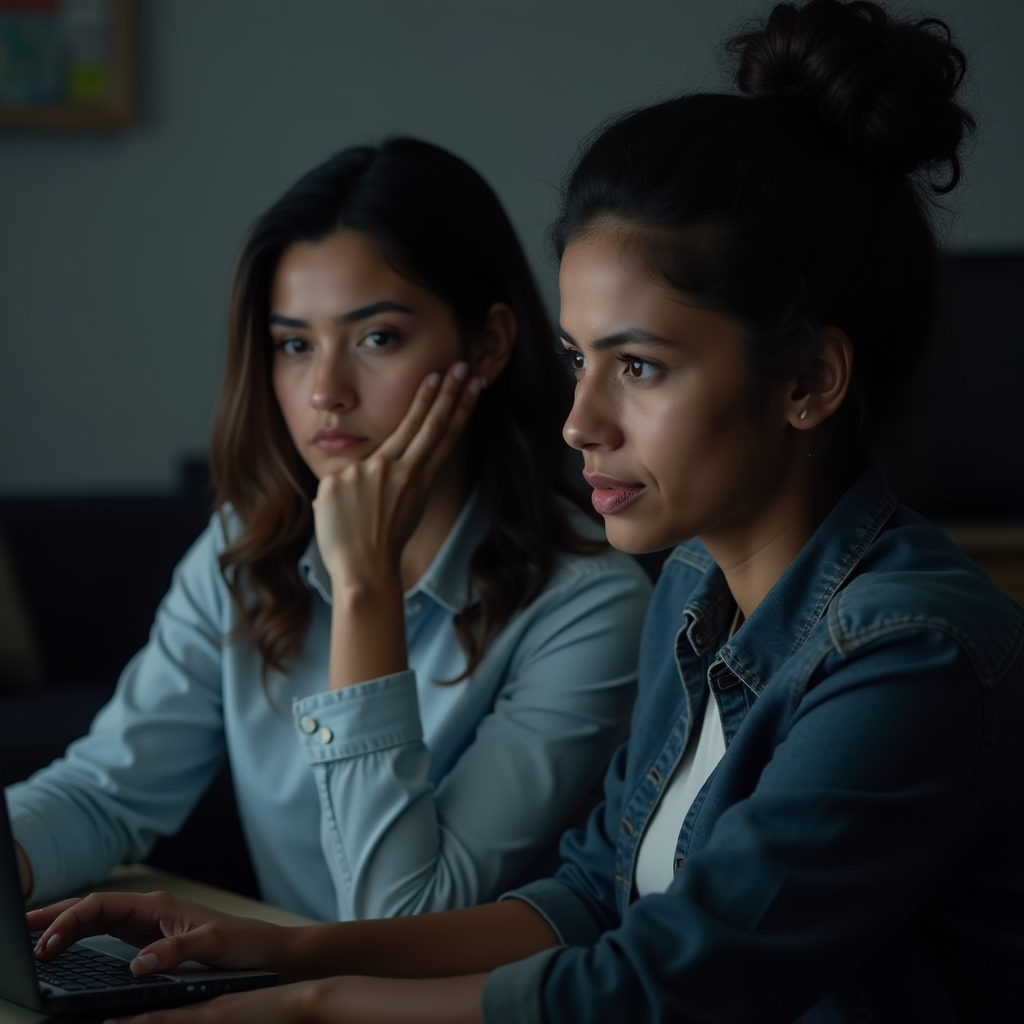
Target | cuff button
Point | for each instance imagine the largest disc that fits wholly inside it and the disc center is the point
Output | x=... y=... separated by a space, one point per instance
x=325 y=735
x=307 y=724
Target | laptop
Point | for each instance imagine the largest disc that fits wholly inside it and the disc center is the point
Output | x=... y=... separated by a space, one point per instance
x=92 y=975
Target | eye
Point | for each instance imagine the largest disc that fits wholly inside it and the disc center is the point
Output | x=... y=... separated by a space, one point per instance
x=292 y=345
x=638 y=369
x=379 y=339
x=573 y=361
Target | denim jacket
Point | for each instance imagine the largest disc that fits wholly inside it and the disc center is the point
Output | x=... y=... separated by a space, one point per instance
x=858 y=853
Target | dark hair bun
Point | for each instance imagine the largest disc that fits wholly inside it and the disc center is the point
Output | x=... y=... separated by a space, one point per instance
x=886 y=88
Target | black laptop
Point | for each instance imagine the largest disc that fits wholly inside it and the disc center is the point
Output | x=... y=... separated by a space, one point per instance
x=92 y=975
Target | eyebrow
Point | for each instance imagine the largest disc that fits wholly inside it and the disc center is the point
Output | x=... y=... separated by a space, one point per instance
x=385 y=306
x=629 y=336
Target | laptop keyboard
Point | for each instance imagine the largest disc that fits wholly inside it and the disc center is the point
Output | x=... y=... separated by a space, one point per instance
x=83 y=969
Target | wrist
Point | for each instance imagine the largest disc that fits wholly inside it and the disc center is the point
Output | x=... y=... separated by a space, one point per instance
x=350 y=596
x=367 y=633
x=329 y=1000
x=299 y=952
x=24 y=869
x=306 y=1002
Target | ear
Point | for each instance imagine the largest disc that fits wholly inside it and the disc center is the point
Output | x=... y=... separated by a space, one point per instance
x=819 y=391
x=490 y=349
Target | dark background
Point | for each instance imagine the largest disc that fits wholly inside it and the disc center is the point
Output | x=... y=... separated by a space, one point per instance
x=116 y=247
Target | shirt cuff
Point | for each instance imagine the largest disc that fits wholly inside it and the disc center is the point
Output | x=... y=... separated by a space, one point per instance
x=564 y=911
x=360 y=719
x=514 y=993
x=36 y=839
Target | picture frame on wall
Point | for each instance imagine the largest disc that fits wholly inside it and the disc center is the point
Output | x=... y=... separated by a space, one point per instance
x=67 y=63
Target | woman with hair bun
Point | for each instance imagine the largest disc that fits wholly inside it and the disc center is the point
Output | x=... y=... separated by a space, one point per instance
x=819 y=813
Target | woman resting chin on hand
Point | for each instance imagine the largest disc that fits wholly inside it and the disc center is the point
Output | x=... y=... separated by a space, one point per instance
x=403 y=627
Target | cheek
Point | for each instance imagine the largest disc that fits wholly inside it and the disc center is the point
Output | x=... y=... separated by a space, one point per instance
x=693 y=442
x=385 y=399
x=674 y=430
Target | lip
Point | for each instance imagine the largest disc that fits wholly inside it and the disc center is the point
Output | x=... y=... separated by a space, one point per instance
x=332 y=439
x=611 y=495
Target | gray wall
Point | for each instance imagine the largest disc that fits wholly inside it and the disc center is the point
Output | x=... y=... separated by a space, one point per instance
x=116 y=248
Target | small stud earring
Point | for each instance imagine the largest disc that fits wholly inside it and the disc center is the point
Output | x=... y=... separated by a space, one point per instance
x=803 y=414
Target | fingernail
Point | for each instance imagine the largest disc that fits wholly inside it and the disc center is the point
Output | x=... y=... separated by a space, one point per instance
x=52 y=942
x=147 y=960
x=476 y=385
x=459 y=371
x=433 y=380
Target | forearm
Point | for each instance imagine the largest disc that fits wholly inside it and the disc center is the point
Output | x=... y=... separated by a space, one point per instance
x=378 y=1001
x=367 y=634
x=452 y=944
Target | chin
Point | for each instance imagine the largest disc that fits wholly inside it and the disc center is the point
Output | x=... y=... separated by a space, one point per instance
x=638 y=539
x=327 y=465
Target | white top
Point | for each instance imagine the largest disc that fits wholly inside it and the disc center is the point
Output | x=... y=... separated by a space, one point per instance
x=655 y=857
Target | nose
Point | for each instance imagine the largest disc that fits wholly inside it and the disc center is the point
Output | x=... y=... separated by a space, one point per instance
x=593 y=419
x=333 y=385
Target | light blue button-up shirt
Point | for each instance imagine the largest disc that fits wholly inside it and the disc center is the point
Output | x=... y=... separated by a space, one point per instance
x=395 y=796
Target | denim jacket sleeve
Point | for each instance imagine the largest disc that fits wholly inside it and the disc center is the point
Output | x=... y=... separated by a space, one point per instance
x=819 y=852
x=397 y=844
x=150 y=753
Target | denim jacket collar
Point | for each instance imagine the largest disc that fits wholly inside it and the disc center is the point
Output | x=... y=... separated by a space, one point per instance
x=799 y=598
x=446 y=580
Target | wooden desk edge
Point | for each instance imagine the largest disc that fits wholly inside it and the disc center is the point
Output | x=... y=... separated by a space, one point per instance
x=143 y=878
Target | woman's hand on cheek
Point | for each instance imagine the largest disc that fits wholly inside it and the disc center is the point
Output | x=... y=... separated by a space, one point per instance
x=365 y=514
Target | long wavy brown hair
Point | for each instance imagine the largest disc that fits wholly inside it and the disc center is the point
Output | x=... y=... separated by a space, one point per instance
x=438 y=223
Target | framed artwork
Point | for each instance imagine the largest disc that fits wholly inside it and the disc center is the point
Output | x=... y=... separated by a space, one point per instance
x=67 y=63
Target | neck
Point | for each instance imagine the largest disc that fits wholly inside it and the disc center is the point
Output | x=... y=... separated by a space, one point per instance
x=755 y=553
x=445 y=502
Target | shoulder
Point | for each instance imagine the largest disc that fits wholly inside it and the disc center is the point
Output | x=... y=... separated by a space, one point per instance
x=222 y=528
x=914 y=578
x=198 y=575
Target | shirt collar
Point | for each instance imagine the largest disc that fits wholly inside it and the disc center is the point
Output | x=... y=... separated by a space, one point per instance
x=446 y=580
x=783 y=621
